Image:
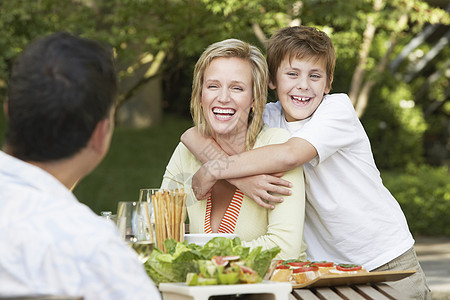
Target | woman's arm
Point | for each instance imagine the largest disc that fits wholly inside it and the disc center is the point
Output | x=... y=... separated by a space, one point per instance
x=285 y=222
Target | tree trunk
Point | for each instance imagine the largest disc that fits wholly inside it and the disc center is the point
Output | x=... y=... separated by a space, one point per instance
x=360 y=70
x=363 y=96
x=259 y=33
x=144 y=108
x=140 y=100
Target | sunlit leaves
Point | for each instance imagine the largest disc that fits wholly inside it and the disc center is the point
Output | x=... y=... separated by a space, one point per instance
x=423 y=193
x=184 y=28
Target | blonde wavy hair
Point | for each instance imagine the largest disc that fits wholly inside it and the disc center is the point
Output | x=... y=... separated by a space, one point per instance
x=260 y=79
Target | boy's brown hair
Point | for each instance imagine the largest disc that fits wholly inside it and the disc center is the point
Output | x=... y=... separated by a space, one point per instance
x=300 y=42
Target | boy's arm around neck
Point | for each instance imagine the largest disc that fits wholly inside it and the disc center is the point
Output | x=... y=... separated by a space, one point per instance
x=203 y=148
x=264 y=160
x=268 y=187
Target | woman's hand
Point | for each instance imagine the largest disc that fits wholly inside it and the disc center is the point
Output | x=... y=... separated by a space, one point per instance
x=261 y=187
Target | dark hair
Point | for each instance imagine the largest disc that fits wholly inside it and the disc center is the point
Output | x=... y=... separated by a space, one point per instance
x=61 y=86
x=300 y=42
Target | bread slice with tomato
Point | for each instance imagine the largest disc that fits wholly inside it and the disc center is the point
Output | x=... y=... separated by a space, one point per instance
x=282 y=275
x=304 y=274
x=301 y=272
x=346 y=269
x=324 y=266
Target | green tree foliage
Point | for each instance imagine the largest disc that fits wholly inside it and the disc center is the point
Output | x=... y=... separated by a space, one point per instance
x=395 y=125
x=22 y=21
x=165 y=38
x=137 y=29
x=423 y=193
x=397 y=104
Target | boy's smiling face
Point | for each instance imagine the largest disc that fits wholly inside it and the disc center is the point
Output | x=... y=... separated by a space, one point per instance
x=301 y=85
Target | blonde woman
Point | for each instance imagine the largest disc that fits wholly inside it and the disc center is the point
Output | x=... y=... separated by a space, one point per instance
x=229 y=94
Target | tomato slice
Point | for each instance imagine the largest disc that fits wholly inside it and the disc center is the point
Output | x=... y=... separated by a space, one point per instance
x=305 y=269
x=348 y=267
x=219 y=260
x=298 y=263
x=282 y=267
x=323 y=263
x=247 y=270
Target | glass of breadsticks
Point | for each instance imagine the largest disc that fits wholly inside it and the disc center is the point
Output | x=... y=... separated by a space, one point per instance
x=169 y=211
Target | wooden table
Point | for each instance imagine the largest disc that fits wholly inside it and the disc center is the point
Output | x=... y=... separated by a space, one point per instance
x=375 y=291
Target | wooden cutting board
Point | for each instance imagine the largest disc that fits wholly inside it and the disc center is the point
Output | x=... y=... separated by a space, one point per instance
x=351 y=279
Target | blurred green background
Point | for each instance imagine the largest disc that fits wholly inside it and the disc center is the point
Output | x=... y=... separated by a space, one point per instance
x=393 y=60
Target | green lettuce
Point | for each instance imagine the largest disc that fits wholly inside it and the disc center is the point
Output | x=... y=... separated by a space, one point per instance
x=262 y=261
x=183 y=258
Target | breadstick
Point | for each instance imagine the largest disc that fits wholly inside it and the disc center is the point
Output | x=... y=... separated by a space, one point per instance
x=175 y=206
x=171 y=213
x=161 y=203
x=174 y=214
x=179 y=209
x=149 y=221
x=157 y=219
x=177 y=215
x=163 y=213
x=180 y=216
x=166 y=215
x=183 y=211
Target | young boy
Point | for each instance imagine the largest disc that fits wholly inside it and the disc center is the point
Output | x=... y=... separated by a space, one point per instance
x=350 y=216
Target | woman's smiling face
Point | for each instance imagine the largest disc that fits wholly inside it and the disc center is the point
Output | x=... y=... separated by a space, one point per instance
x=227 y=96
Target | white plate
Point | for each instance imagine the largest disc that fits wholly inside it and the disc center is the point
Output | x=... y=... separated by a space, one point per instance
x=265 y=290
x=202 y=238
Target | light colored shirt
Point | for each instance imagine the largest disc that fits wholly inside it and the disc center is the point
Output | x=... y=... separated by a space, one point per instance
x=350 y=216
x=52 y=244
x=255 y=225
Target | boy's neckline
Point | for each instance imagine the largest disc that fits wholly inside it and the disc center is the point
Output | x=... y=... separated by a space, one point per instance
x=295 y=123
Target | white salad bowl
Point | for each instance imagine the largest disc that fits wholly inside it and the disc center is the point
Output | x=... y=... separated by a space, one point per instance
x=202 y=238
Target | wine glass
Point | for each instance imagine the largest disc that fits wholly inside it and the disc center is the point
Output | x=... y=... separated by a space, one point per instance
x=127 y=220
x=145 y=234
x=135 y=227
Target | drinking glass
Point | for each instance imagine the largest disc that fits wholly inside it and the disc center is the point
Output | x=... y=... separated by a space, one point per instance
x=148 y=230
x=109 y=216
x=127 y=220
x=135 y=227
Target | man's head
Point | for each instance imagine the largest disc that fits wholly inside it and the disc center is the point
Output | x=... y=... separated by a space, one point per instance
x=303 y=43
x=60 y=88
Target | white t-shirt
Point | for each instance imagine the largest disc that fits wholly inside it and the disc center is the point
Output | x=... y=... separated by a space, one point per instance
x=350 y=216
x=51 y=244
